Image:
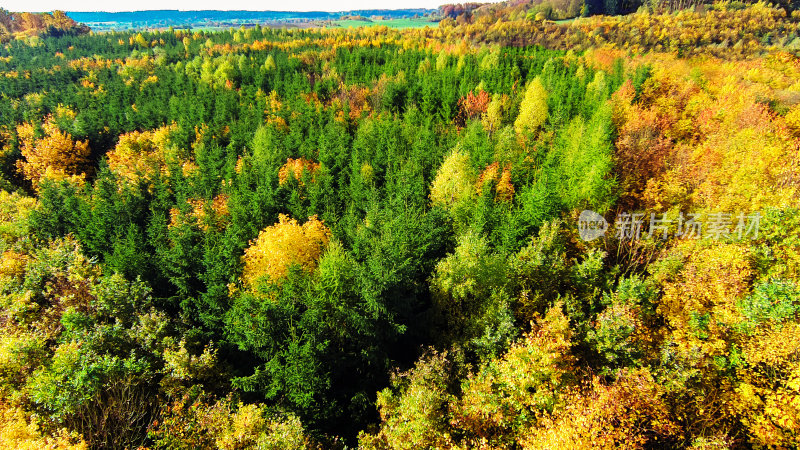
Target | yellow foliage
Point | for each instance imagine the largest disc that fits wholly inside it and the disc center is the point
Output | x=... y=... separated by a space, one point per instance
x=282 y=245
x=295 y=168
x=249 y=428
x=628 y=414
x=769 y=395
x=533 y=109
x=13 y=264
x=20 y=353
x=141 y=154
x=180 y=364
x=14 y=212
x=454 y=181
x=18 y=432
x=504 y=190
x=492 y=119
x=417 y=418
x=512 y=392
x=720 y=145
x=55 y=156
x=700 y=304
x=621 y=102
x=793 y=121
x=224 y=425
x=749 y=166
x=218 y=219
x=64 y=113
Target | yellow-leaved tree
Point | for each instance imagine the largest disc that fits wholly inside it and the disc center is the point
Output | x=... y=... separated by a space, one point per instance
x=56 y=155
x=283 y=245
x=454 y=181
x=533 y=109
x=18 y=431
x=505 y=398
x=492 y=119
x=630 y=413
x=142 y=154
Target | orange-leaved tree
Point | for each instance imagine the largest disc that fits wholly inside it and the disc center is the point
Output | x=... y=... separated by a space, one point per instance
x=504 y=189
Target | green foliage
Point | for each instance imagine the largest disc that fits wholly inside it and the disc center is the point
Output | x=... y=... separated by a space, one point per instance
x=415 y=408
x=617 y=336
x=168 y=299
x=582 y=163
x=470 y=296
x=774 y=301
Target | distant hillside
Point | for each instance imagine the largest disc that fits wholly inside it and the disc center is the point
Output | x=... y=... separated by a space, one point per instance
x=185 y=19
x=568 y=9
x=31 y=24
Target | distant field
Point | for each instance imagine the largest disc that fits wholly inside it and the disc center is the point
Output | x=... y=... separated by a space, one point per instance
x=391 y=23
x=218 y=20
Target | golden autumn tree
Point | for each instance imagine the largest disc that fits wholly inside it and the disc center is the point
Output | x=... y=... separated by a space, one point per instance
x=417 y=417
x=140 y=154
x=642 y=148
x=492 y=118
x=700 y=303
x=18 y=431
x=499 y=404
x=283 y=245
x=206 y=214
x=767 y=390
x=55 y=155
x=768 y=393
x=454 y=181
x=533 y=109
x=629 y=414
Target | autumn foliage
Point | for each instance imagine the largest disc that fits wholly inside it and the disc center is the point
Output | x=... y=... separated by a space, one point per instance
x=532 y=110
x=295 y=168
x=472 y=106
x=54 y=156
x=24 y=24
x=504 y=189
x=265 y=238
x=631 y=413
x=141 y=155
x=282 y=246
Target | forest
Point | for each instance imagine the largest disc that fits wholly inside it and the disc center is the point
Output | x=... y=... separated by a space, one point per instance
x=499 y=233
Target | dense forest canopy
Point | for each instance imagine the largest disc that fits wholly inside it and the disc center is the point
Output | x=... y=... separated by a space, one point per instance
x=492 y=234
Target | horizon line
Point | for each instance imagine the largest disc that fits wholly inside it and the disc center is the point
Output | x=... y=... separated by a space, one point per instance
x=231 y=10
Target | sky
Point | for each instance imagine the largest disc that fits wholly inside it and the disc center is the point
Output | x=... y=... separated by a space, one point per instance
x=252 y=5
